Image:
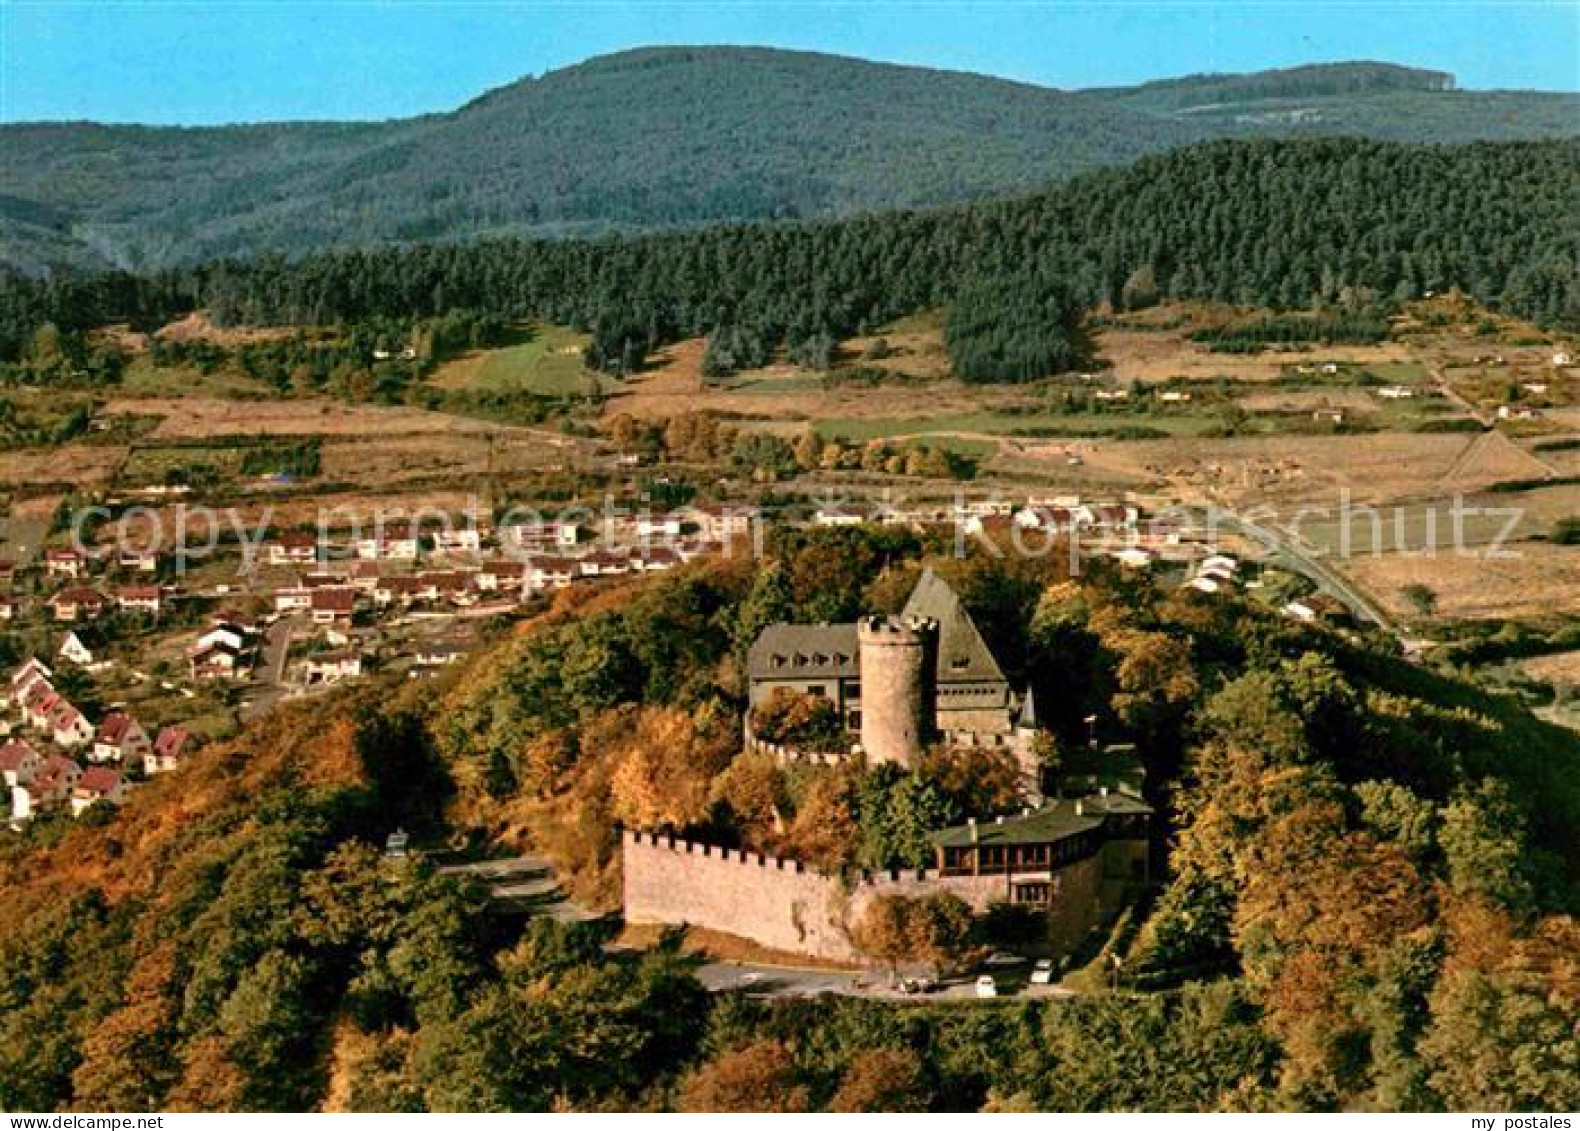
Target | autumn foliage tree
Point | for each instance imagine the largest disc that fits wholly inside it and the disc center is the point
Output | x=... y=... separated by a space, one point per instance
x=761 y=1077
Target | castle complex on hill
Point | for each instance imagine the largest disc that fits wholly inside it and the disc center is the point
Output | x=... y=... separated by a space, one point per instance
x=899 y=684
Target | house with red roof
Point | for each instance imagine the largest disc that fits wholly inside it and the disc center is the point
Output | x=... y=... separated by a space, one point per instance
x=65 y=563
x=171 y=748
x=19 y=764
x=140 y=599
x=98 y=783
x=78 y=602
x=332 y=605
x=120 y=739
x=292 y=549
x=54 y=782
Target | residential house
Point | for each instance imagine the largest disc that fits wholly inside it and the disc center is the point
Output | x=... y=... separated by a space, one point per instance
x=216 y=660
x=77 y=603
x=140 y=599
x=1133 y=557
x=501 y=577
x=467 y=540
x=29 y=675
x=655 y=559
x=293 y=600
x=98 y=783
x=658 y=525
x=19 y=764
x=138 y=561
x=230 y=635
x=292 y=549
x=120 y=739
x=437 y=655
x=170 y=748
x=837 y=516
x=550 y=573
x=333 y=605
x=52 y=783
x=394 y=543
x=332 y=667
x=70 y=564
x=720 y=523
x=83 y=647
x=604 y=563
x=56 y=778
x=68 y=726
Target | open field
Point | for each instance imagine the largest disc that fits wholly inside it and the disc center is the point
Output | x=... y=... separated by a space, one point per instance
x=188 y=418
x=1285 y=471
x=82 y=465
x=1540 y=579
x=1151 y=356
x=548 y=362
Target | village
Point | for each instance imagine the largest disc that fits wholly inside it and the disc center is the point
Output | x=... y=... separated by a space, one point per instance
x=179 y=658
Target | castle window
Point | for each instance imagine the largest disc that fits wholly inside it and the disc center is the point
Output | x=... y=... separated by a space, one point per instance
x=816 y=689
x=1032 y=893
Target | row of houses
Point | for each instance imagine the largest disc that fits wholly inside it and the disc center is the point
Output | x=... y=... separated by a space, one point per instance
x=408 y=541
x=119 y=746
x=333 y=598
x=75 y=565
x=76 y=603
x=1052 y=513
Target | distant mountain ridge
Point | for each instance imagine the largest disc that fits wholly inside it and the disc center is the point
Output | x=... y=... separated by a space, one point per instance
x=674 y=136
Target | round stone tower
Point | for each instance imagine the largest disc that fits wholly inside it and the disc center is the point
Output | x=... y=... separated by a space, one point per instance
x=899 y=661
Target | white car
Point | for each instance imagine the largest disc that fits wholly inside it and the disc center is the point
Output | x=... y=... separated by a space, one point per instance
x=986 y=986
x=1042 y=973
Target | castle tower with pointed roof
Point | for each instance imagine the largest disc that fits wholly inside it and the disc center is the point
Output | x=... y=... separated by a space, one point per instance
x=973 y=697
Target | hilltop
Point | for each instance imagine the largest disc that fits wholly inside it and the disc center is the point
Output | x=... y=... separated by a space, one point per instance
x=671 y=137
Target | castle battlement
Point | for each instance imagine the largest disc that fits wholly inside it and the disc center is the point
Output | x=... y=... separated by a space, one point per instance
x=850 y=877
x=912 y=630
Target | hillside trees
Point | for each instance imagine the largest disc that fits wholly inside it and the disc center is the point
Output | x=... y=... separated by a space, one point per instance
x=1257 y=223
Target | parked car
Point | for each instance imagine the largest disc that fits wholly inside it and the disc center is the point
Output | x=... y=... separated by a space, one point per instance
x=986 y=986
x=919 y=985
x=1042 y=973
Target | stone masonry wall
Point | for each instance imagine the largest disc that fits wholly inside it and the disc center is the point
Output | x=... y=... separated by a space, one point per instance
x=788 y=906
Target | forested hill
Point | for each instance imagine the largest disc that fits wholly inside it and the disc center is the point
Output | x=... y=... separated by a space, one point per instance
x=1367 y=903
x=1345 y=224
x=672 y=136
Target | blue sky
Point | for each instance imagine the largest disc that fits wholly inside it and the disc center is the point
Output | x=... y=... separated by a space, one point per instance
x=210 y=61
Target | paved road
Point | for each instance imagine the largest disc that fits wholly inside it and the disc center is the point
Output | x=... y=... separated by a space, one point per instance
x=759 y=980
x=523 y=883
x=270 y=687
x=1307 y=562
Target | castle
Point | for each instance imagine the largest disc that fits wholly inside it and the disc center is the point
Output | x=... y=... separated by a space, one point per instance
x=899 y=684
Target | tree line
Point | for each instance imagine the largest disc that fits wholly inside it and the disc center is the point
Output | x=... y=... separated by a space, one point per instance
x=1289 y=225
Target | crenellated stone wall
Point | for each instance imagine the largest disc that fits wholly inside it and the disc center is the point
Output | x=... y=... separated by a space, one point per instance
x=789 y=906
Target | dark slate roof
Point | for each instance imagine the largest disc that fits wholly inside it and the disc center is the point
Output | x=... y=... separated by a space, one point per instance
x=963 y=656
x=1055 y=821
x=805 y=651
